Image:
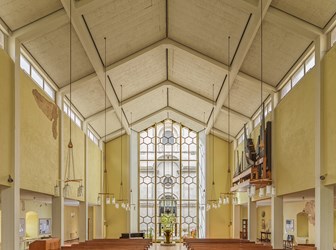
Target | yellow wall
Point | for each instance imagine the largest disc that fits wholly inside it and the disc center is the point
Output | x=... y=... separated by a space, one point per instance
x=78 y=141
x=94 y=171
x=290 y=210
x=294 y=138
x=41 y=208
x=218 y=220
x=71 y=222
x=267 y=219
x=6 y=116
x=32 y=224
x=117 y=220
x=329 y=103
x=39 y=149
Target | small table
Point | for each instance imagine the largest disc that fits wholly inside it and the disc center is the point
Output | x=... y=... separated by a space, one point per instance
x=264 y=236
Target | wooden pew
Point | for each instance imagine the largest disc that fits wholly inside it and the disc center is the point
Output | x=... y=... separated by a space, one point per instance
x=304 y=247
x=229 y=246
x=211 y=240
x=123 y=244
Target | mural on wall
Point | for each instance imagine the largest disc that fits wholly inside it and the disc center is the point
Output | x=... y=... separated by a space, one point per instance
x=310 y=210
x=49 y=109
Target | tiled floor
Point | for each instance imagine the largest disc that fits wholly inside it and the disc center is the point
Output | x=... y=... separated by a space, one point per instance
x=157 y=246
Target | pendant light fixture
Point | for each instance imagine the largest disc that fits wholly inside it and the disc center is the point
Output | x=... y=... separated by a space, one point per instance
x=106 y=195
x=229 y=108
x=123 y=202
x=69 y=174
x=213 y=202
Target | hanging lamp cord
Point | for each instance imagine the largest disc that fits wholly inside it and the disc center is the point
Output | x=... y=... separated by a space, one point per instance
x=229 y=105
x=105 y=170
x=70 y=25
x=213 y=143
x=261 y=61
x=121 y=153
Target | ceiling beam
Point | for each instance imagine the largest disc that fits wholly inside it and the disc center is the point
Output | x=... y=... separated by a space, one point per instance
x=144 y=92
x=162 y=43
x=5 y=29
x=142 y=119
x=97 y=115
x=221 y=134
x=113 y=135
x=191 y=118
x=330 y=25
x=249 y=79
x=243 y=49
x=236 y=114
x=42 y=26
x=293 y=23
x=169 y=43
x=168 y=84
x=84 y=6
x=168 y=109
x=79 y=83
x=89 y=47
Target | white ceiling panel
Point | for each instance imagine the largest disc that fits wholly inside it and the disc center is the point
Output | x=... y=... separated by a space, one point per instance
x=52 y=52
x=112 y=124
x=128 y=26
x=185 y=121
x=150 y=121
x=18 y=13
x=281 y=49
x=235 y=123
x=89 y=98
x=205 y=25
x=146 y=104
x=315 y=12
x=245 y=97
x=194 y=73
x=186 y=103
x=140 y=73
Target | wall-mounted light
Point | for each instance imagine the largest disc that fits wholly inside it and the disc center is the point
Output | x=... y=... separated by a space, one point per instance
x=10 y=179
x=56 y=190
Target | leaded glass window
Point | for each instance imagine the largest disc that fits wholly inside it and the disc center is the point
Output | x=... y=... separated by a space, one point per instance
x=168 y=179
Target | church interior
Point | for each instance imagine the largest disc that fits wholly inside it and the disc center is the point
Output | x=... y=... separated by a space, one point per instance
x=167 y=124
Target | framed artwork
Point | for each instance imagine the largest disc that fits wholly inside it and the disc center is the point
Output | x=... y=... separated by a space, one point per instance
x=45 y=226
x=289 y=225
x=22 y=227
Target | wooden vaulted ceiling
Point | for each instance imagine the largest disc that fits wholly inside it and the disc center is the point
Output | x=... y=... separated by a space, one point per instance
x=167 y=54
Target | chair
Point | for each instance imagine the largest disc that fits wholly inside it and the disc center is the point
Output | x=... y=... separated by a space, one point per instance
x=288 y=244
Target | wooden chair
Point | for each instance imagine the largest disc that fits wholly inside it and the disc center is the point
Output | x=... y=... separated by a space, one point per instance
x=288 y=244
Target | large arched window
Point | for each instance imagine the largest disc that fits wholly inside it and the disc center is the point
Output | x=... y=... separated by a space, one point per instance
x=168 y=178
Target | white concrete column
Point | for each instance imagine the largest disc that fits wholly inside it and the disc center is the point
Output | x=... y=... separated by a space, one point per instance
x=277 y=222
x=58 y=202
x=252 y=220
x=98 y=211
x=83 y=221
x=134 y=184
x=83 y=205
x=10 y=197
x=277 y=202
x=236 y=221
x=58 y=217
x=324 y=195
x=98 y=222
